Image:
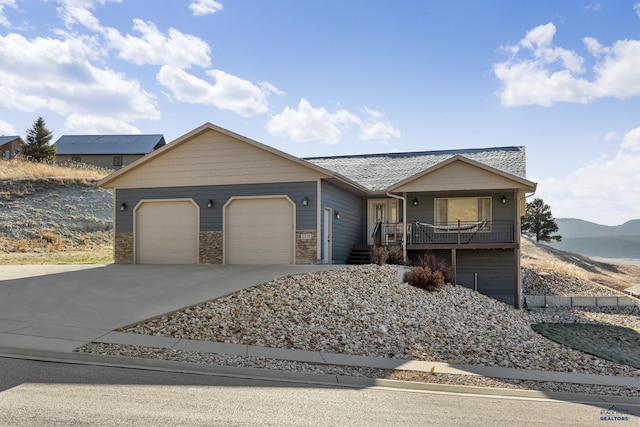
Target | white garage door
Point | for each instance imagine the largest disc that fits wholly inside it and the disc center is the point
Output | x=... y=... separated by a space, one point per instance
x=167 y=232
x=259 y=231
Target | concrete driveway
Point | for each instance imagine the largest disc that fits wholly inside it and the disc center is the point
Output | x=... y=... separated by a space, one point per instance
x=59 y=308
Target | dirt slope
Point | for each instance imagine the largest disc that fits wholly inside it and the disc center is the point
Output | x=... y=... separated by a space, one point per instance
x=51 y=215
x=542 y=257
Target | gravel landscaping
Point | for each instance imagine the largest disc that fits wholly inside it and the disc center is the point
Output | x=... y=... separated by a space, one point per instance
x=363 y=310
x=541 y=282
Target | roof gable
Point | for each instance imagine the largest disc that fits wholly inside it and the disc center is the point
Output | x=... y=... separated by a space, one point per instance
x=68 y=145
x=460 y=173
x=210 y=155
x=379 y=172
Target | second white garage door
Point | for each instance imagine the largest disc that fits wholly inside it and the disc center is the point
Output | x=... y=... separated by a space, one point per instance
x=167 y=232
x=260 y=231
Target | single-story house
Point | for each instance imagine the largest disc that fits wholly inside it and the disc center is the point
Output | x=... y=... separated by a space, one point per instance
x=214 y=196
x=106 y=151
x=10 y=146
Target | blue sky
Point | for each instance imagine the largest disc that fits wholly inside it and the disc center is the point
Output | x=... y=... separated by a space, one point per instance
x=342 y=77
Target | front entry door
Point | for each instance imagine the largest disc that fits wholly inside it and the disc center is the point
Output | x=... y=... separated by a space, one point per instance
x=381 y=210
x=326 y=237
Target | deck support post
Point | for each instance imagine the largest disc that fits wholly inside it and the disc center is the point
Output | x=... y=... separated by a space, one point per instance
x=454 y=266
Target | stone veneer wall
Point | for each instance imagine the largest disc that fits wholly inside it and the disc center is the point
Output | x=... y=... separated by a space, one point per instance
x=307 y=248
x=210 y=251
x=123 y=248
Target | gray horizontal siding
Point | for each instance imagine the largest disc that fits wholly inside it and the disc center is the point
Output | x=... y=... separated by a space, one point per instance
x=425 y=212
x=350 y=228
x=211 y=218
x=495 y=269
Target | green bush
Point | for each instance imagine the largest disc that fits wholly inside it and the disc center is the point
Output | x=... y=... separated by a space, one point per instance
x=430 y=261
x=425 y=278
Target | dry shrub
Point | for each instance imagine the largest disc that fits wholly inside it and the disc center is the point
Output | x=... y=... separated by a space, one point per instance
x=49 y=236
x=424 y=278
x=431 y=262
x=396 y=256
x=22 y=245
x=52 y=241
x=379 y=255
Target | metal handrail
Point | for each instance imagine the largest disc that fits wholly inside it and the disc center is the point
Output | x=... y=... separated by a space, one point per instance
x=448 y=233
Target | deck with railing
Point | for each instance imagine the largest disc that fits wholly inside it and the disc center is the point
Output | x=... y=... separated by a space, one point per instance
x=423 y=236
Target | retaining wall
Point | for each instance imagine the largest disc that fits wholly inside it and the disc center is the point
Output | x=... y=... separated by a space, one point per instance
x=578 y=301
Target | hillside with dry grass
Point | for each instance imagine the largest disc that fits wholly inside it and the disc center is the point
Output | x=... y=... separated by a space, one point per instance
x=53 y=213
x=611 y=274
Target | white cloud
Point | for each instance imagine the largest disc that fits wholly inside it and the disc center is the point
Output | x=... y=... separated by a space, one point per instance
x=176 y=52
x=317 y=124
x=97 y=125
x=606 y=191
x=227 y=92
x=78 y=12
x=631 y=140
x=536 y=73
x=636 y=7
x=6 y=128
x=376 y=126
x=596 y=7
x=205 y=7
x=311 y=124
x=611 y=136
x=154 y=48
x=57 y=75
x=3 y=19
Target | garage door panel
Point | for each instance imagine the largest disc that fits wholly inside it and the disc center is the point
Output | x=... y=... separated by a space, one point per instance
x=167 y=233
x=260 y=231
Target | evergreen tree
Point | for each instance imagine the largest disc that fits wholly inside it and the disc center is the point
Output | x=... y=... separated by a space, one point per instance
x=539 y=223
x=37 y=148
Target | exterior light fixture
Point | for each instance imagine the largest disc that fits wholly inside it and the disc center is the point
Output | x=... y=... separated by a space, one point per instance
x=305 y=201
x=415 y=202
x=504 y=200
x=210 y=203
x=123 y=207
x=337 y=215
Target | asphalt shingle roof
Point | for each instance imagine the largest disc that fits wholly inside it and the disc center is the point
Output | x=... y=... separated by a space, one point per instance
x=5 y=139
x=380 y=171
x=108 y=144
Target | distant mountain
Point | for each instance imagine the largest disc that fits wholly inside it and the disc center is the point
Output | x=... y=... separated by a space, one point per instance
x=591 y=239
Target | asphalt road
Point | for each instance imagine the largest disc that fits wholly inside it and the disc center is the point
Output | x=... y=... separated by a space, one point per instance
x=44 y=393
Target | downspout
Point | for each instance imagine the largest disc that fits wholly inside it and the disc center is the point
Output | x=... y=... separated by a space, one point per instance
x=404 y=223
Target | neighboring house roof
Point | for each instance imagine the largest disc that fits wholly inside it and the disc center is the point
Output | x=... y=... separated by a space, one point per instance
x=68 y=145
x=378 y=172
x=5 y=139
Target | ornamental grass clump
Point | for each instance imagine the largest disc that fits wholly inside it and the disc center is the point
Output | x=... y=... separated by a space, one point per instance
x=425 y=278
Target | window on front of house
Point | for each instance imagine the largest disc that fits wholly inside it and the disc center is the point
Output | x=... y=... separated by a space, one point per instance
x=76 y=159
x=117 y=161
x=464 y=209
